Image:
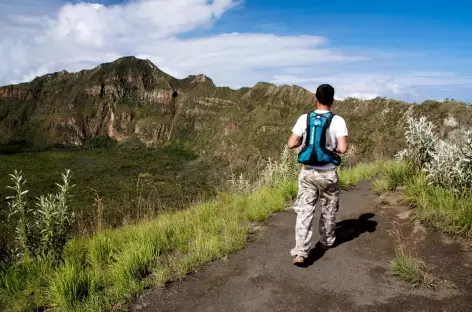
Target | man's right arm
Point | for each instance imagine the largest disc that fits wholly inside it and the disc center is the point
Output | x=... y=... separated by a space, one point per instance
x=342 y=145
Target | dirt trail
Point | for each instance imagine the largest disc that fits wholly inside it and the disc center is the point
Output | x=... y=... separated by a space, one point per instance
x=354 y=276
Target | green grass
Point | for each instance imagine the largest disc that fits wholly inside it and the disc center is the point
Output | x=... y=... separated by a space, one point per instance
x=381 y=185
x=108 y=268
x=393 y=176
x=132 y=183
x=434 y=205
x=439 y=207
x=363 y=171
x=410 y=269
x=113 y=265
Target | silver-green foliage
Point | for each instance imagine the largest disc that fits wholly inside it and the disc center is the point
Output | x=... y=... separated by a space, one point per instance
x=54 y=218
x=18 y=209
x=447 y=162
x=420 y=140
x=43 y=230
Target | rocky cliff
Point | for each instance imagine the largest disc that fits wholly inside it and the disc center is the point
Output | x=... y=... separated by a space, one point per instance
x=132 y=98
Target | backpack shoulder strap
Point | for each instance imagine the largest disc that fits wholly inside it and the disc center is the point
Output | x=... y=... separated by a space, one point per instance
x=325 y=127
x=330 y=118
x=308 y=132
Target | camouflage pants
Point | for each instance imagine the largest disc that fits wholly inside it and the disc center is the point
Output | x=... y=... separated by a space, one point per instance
x=314 y=185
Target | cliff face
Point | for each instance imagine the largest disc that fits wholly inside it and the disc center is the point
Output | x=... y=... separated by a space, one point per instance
x=129 y=97
x=133 y=98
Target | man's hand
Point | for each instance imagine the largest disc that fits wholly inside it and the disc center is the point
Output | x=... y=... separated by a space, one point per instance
x=294 y=141
x=342 y=145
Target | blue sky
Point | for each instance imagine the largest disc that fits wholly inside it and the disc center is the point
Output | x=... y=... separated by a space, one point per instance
x=408 y=50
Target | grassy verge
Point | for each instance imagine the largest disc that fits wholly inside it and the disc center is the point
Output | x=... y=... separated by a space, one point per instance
x=105 y=270
x=111 y=266
x=363 y=171
x=435 y=205
x=439 y=207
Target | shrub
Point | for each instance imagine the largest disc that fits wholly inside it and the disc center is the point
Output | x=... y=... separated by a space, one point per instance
x=130 y=144
x=54 y=218
x=18 y=207
x=181 y=149
x=285 y=169
x=448 y=163
x=451 y=164
x=420 y=140
x=45 y=230
x=100 y=142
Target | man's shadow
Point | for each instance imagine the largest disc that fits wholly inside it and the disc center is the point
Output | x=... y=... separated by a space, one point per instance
x=346 y=231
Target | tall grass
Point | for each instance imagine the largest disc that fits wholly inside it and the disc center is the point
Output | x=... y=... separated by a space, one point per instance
x=287 y=169
x=115 y=264
x=99 y=271
x=363 y=171
x=393 y=176
x=436 y=176
x=435 y=205
x=439 y=207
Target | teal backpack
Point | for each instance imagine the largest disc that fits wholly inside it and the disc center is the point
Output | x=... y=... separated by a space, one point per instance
x=315 y=153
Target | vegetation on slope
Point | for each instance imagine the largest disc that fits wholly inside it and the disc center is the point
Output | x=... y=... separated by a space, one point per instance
x=436 y=176
x=116 y=186
x=104 y=270
x=238 y=128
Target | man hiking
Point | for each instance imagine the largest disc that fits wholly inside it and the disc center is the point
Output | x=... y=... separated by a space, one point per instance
x=322 y=135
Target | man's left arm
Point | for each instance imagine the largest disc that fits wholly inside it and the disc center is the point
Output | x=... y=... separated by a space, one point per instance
x=341 y=137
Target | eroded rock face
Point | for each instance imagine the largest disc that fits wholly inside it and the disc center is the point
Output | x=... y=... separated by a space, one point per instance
x=131 y=98
x=12 y=93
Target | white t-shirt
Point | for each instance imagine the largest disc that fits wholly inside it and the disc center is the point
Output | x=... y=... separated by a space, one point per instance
x=336 y=129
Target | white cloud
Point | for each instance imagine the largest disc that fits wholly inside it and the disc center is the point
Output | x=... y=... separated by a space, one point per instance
x=39 y=37
x=369 y=86
x=90 y=33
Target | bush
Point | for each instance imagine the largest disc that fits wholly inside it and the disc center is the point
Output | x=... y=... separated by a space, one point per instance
x=130 y=144
x=448 y=163
x=420 y=139
x=285 y=169
x=45 y=230
x=100 y=142
x=180 y=149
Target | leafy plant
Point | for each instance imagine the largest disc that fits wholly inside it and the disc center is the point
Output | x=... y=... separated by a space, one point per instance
x=18 y=207
x=43 y=231
x=420 y=140
x=286 y=168
x=447 y=163
x=55 y=218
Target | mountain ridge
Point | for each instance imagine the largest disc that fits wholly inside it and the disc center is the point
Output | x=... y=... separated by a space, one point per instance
x=131 y=98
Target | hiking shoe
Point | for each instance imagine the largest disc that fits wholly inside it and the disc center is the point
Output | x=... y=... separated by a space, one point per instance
x=325 y=247
x=298 y=260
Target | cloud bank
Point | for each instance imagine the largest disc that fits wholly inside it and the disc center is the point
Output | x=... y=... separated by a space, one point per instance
x=39 y=37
